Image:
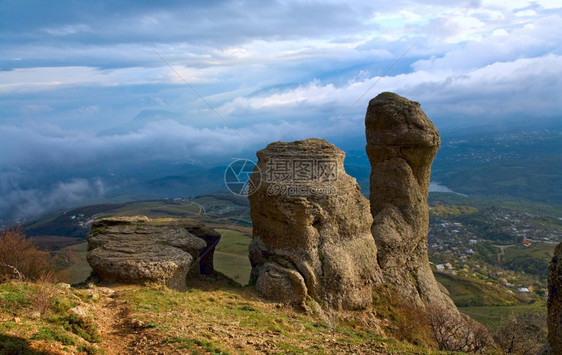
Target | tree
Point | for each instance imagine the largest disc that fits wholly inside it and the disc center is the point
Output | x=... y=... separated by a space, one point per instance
x=523 y=334
x=457 y=333
x=20 y=258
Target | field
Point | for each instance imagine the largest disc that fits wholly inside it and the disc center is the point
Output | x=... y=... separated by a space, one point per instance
x=467 y=292
x=533 y=259
x=79 y=270
x=493 y=316
x=490 y=305
x=231 y=255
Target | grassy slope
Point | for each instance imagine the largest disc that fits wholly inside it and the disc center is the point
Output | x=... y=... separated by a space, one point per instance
x=493 y=316
x=79 y=270
x=215 y=318
x=467 y=292
x=486 y=303
x=34 y=319
x=533 y=259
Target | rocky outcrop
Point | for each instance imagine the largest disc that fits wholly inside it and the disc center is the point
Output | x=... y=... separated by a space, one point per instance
x=139 y=249
x=311 y=228
x=555 y=302
x=401 y=145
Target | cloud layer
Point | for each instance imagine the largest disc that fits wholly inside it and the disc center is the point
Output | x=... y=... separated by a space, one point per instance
x=72 y=72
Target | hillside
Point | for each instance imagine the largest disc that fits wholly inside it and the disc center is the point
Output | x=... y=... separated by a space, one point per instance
x=213 y=317
x=477 y=284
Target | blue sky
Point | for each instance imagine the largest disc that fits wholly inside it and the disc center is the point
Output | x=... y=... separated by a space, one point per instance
x=75 y=74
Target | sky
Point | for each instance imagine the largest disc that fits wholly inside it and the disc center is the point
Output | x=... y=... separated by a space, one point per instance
x=86 y=84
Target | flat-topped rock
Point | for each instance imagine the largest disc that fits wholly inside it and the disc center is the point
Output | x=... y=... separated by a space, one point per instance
x=138 y=249
x=311 y=228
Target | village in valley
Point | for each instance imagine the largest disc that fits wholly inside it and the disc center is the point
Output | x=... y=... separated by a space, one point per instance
x=500 y=246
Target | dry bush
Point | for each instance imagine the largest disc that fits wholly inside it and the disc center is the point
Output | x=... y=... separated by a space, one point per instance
x=457 y=333
x=20 y=258
x=523 y=334
x=408 y=321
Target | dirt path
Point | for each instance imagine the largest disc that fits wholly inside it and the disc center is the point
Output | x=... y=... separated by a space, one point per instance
x=117 y=328
x=502 y=250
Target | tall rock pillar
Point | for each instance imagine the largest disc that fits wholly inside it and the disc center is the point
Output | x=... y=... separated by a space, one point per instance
x=401 y=145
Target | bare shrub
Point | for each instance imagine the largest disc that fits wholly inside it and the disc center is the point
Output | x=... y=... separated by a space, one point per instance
x=20 y=258
x=522 y=334
x=457 y=333
x=43 y=297
x=407 y=320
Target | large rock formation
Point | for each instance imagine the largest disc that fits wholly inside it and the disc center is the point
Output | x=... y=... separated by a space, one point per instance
x=311 y=228
x=139 y=249
x=555 y=302
x=401 y=144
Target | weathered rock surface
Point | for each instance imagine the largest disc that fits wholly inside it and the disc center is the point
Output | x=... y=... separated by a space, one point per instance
x=401 y=145
x=311 y=228
x=555 y=302
x=138 y=249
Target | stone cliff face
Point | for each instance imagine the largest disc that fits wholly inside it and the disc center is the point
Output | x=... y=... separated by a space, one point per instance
x=139 y=249
x=401 y=145
x=311 y=228
x=555 y=302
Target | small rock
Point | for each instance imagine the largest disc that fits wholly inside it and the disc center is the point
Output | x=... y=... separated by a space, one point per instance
x=93 y=294
x=135 y=323
x=80 y=311
x=106 y=291
x=36 y=315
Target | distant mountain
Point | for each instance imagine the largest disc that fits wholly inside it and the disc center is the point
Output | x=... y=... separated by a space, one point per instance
x=141 y=120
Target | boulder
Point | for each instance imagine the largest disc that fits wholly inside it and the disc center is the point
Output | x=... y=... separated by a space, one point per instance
x=311 y=228
x=554 y=302
x=138 y=249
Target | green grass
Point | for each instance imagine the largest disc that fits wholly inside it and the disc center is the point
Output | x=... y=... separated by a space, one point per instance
x=234 y=320
x=158 y=209
x=467 y=292
x=53 y=324
x=80 y=270
x=492 y=316
x=532 y=260
x=231 y=255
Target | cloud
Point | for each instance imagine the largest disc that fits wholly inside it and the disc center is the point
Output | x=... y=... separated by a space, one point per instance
x=277 y=70
x=20 y=203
